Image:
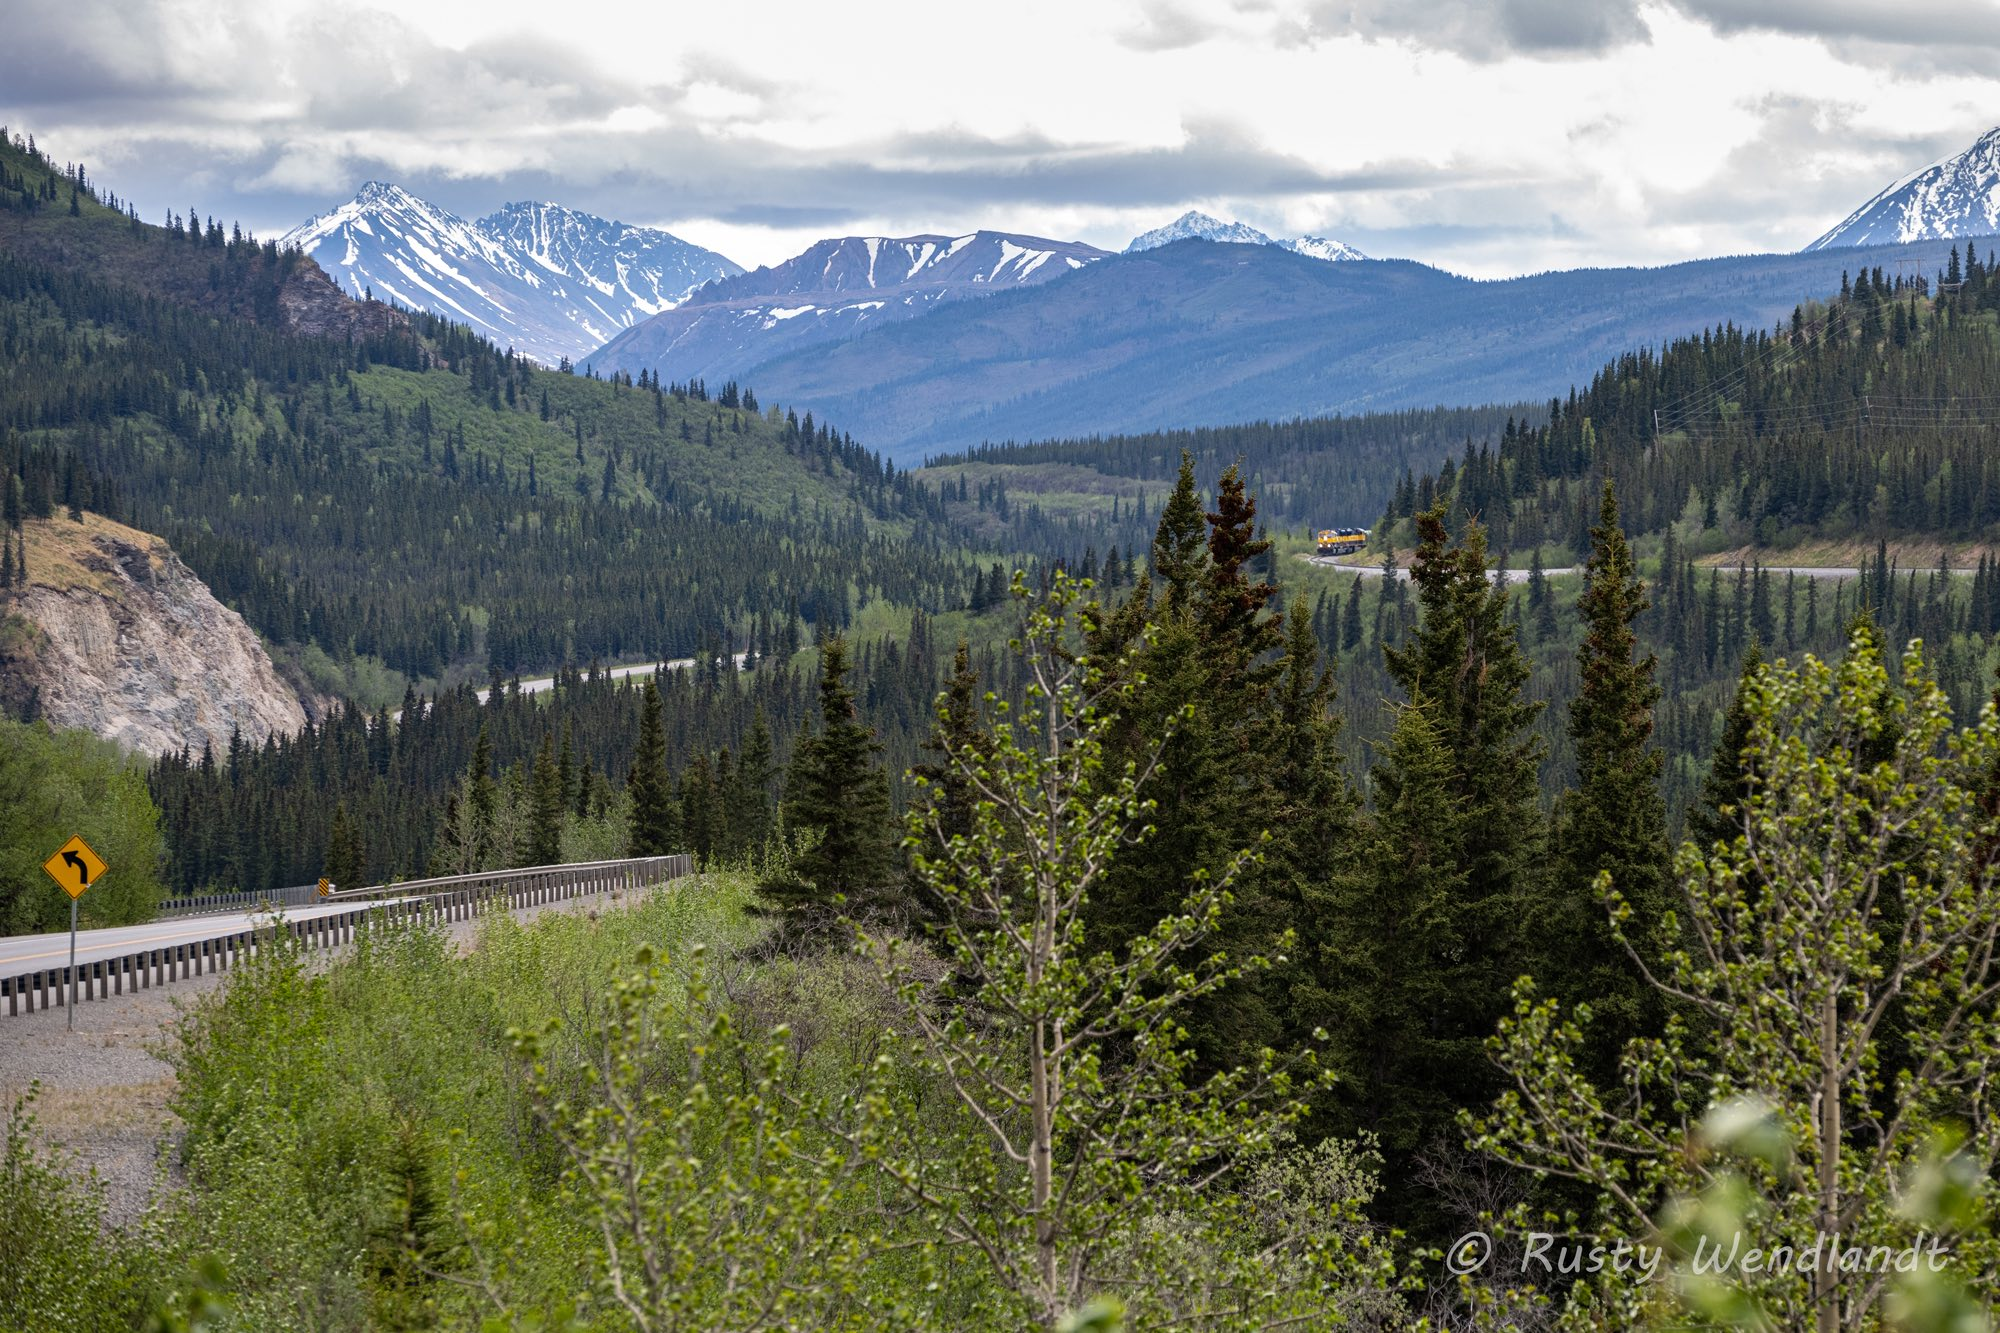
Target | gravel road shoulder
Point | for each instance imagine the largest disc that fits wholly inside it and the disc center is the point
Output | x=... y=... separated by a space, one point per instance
x=105 y=1087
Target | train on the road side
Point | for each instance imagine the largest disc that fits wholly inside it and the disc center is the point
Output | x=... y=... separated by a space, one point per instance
x=1342 y=541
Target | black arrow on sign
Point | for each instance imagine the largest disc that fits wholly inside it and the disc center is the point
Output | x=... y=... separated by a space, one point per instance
x=82 y=869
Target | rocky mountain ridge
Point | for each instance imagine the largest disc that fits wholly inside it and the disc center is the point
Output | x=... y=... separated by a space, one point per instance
x=837 y=288
x=1954 y=197
x=549 y=281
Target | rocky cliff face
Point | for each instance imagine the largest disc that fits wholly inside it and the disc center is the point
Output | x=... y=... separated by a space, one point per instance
x=113 y=634
x=312 y=304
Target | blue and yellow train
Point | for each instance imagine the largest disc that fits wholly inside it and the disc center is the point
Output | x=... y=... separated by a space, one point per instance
x=1342 y=541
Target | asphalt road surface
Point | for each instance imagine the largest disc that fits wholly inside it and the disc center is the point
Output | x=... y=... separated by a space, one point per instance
x=21 y=954
x=543 y=683
x=1374 y=571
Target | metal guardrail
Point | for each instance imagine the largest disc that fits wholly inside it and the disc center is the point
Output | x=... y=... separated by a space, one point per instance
x=298 y=895
x=451 y=898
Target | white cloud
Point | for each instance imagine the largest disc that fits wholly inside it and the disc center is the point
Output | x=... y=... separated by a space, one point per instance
x=1490 y=137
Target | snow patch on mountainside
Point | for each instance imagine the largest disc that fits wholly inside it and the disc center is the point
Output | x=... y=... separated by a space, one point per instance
x=833 y=291
x=1955 y=196
x=1197 y=226
x=1319 y=247
x=549 y=281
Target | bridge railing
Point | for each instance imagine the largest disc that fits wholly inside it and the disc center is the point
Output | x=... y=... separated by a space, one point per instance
x=202 y=904
x=447 y=899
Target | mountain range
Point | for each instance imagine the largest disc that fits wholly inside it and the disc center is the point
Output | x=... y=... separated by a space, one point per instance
x=1195 y=333
x=836 y=290
x=1201 y=321
x=1956 y=196
x=548 y=281
x=842 y=288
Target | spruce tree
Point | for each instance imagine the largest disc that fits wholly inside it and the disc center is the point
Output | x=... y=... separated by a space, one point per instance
x=654 y=829
x=945 y=792
x=1407 y=1014
x=346 y=856
x=1716 y=816
x=1312 y=826
x=955 y=727
x=1234 y=607
x=837 y=791
x=1179 y=554
x=1461 y=803
x=696 y=804
x=721 y=787
x=1615 y=818
x=1205 y=710
x=1313 y=803
x=1465 y=659
x=750 y=802
x=483 y=799
x=566 y=774
x=541 y=835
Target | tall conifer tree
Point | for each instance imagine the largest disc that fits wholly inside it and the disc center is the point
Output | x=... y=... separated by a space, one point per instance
x=1408 y=1023
x=484 y=800
x=837 y=789
x=1458 y=841
x=1716 y=817
x=1464 y=658
x=655 y=827
x=750 y=804
x=346 y=856
x=1209 y=672
x=1615 y=818
x=1179 y=556
x=541 y=835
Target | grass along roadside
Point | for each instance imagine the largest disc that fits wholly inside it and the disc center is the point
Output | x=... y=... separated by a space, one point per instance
x=105 y=1094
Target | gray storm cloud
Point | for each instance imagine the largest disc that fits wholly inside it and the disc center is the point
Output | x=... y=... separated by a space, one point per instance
x=1486 y=29
x=271 y=118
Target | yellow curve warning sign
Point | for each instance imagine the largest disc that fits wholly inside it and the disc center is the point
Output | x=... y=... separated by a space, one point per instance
x=75 y=867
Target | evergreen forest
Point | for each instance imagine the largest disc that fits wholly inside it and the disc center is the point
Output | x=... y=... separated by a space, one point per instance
x=1107 y=916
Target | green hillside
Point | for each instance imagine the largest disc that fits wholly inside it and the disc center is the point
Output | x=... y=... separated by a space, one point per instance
x=387 y=498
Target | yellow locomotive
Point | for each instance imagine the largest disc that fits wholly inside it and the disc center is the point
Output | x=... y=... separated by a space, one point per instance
x=1342 y=541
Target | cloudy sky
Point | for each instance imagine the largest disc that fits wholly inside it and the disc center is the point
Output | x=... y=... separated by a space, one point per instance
x=1490 y=136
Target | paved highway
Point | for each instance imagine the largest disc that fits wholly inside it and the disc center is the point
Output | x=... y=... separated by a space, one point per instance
x=21 y=954
x=541 y=684
x=1374 y=571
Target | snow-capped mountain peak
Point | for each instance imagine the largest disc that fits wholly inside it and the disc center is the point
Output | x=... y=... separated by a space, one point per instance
x=1955 y=196
x=1197 y=226
x=548 y=281
x=880 y=263
x=833 y=290
x=384 y=192
x=1319 y=247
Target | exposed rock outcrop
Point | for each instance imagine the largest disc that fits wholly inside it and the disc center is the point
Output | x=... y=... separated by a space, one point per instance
x=314 y=305
x=113 y=634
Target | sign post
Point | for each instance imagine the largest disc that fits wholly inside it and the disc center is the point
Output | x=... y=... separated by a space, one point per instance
x=74 y=868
